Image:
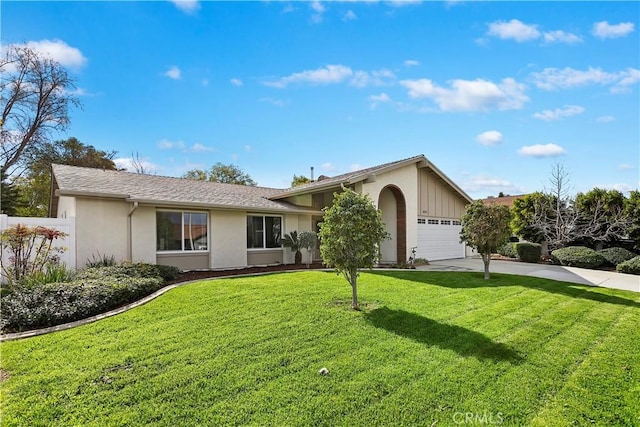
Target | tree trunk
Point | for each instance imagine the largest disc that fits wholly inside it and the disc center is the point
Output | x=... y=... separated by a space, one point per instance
x=486 y=258
x=354 y=290
x=298 y=258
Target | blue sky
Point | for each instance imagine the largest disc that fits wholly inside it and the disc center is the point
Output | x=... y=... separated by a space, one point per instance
x=492 y=93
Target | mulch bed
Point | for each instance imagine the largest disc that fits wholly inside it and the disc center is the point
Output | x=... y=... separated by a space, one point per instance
x=208 y=274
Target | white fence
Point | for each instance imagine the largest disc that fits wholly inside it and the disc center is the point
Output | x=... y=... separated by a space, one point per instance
x=65 y=225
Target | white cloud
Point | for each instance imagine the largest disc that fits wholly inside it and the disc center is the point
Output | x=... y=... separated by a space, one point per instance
x=288 y=8
x=274 y=101
x=621 y=187
x=555 y=78
x=349 y=16
x=559 y=113
x=319 y=11
x=165 y=144
x=328 y=167
x=470 y=95
x=604 y=30
x=490 y=185
x=355 y=167
x=187 y=6
x=375 y=100
x=626 y=166
x=173 y=73
x=374 y=78
x=605 y=119
x=236 y=82
x=127 y=163
x=490 y=137
x=321 y=76
x=542 y=150
x=514 y=29
x=60 y=52
x=559 y=36
x=411 y=63
x=201 y=148
x=401 y=3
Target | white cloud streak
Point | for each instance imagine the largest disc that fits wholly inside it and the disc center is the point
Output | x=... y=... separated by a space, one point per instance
x=173 y=73
x=604 y=30
x=559 y=113
x=555 y=78
x=605 y=119
x=470 y=95
x=330 y=74
x=559 y=36
x=236 y=82
x=490 y=137
x=60 y=52
x=187 y=6
x=513 y=30
x=542 y=150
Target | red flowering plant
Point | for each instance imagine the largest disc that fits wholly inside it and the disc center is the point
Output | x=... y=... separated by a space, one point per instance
x=30 y=251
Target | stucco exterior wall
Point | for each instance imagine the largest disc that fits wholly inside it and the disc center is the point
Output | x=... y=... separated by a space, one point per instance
x=185 y=261
x=437 y=199
x=228 y=241
x=101 y=226
x=405 y=179
x=143 y=234
x=66 y=207
x=387 y=204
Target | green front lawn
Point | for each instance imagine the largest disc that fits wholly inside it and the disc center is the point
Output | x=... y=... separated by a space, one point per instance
x=427 y=349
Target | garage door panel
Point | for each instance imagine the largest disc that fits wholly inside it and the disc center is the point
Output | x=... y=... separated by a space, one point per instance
x=439 y=241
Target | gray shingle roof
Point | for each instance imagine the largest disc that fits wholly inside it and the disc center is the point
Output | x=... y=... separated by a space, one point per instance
x=73 y=180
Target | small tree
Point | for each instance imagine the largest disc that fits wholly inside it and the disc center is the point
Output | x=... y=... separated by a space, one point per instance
x=485 y=228
x=308 y=240
x=299 y=180
x=290 y=240
x=350 y=235
x=226 y=174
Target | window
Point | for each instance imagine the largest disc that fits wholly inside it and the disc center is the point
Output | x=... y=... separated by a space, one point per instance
x=433 y=221
x=457 y=222
x=181 y=231
x=445 y=222
x=422 y=221
x=263 y=231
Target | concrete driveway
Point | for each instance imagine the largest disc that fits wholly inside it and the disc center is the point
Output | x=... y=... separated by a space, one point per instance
x=605 y=279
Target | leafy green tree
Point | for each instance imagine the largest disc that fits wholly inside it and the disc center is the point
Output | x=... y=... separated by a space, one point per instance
x=525 y=210
x=602 y=215
x=226 y=174
x=350 y=235
x=485 y=228
x=10 y=200
x=299 y=180
x=35 y=187
x=36 y=94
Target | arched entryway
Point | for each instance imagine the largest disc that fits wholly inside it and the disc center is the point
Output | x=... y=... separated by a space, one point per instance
x=394 y=214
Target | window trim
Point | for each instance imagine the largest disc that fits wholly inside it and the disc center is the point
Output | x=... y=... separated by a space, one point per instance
x=264 y=236
x=183 y=251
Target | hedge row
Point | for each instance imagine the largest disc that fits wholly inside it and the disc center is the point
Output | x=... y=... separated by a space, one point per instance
x=578 y=256
x=631 y=266
x=93 y=291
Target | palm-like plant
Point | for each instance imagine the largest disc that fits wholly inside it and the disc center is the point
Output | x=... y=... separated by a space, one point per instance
x=290 y=240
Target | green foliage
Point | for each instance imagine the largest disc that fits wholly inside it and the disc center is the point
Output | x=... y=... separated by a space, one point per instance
x=299 y=180
x=485 y=228
x=508 y=250
x=309 y=241
x=524 y=213
x=632 y=210
x=30 y=250
x=36 y=186
x=56 y=303
x=290 y=240
x=615 y=256
x=10 y=197
x=528 y=252
x=350 y=236
x=578 y=256
x=226 y=174
x=127 y=269
x=631 y=266
x=101 y=260
x=426 y=345
x=52 y=273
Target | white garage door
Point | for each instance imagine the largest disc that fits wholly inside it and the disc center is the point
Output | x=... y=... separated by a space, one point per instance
x=439 y=239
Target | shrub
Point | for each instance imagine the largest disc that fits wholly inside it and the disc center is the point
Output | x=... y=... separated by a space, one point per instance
x=579 y=256
x=631 y=266
x=53 y=273
x=56 y=303
x=529 y=252
x=508 y=250
x=138 y=269
x=614 y=256
x=101 y=260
